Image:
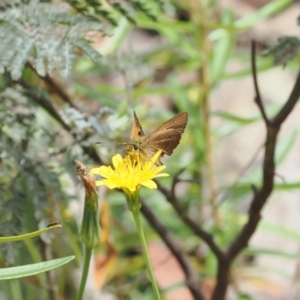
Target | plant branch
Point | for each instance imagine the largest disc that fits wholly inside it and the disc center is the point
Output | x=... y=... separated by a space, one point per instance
x=171 y=198
x=260 y=195
x=47 y=105
x=257 y=98
x=57 y=88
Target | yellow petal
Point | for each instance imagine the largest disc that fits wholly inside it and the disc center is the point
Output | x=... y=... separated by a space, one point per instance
x=94 y=170
x=111 y=185
x=149 y=184
x=162 y=175
x=116 y=160
x=104 y=171
x=156 y=156
x=160 y=168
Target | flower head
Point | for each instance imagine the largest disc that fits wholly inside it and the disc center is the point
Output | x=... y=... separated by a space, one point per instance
x=129 y=174
x=89 y=230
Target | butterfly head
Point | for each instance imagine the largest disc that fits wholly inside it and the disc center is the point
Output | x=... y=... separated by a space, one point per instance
x=135 y=150
x=132 y=148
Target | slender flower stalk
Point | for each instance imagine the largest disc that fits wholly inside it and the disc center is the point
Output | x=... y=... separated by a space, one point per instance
x=137 y=219
x=129 y=174
x=89 y=232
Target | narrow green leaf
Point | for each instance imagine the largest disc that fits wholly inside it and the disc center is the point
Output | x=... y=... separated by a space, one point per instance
x=251 y=20
x=286 y=145
x=268 y=251
x=26 y=236
x=287 y=186
x=262 y=65
x=173 y=287
x=266 y=11
x=221 y=49
x=28 y=270
x=289 y=233
x=234 y=118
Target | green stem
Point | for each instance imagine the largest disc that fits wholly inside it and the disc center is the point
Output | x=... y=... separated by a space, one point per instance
x=16 y=290
x=85 y=271
x=137 y=219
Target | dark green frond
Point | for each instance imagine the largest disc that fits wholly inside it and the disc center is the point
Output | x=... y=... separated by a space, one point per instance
x=45 y=35
x=94 y=9
x=147 y=7
x=29 y=175
x=85 y=47
x=124 y=10
x=284 y=51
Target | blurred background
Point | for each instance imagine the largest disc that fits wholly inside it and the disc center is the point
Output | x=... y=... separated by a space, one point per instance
x=73 y=72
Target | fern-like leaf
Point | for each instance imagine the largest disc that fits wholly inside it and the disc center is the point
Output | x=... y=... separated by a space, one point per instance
x=146 y=7
x=43 y=34
x=284 y=51
x=98 y=11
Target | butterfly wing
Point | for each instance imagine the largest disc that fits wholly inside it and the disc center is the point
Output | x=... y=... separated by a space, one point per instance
x=137 y=130
x=178 y=123
x=166 y=140
x=167 y=136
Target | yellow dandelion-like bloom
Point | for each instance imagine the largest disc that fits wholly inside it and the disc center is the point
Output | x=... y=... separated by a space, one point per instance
x=129 y=174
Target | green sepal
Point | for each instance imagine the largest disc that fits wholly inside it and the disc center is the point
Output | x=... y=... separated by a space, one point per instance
x=133 y=200
x=89 y=233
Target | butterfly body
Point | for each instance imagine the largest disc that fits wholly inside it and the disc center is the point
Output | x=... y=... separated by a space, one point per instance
x=166 y=138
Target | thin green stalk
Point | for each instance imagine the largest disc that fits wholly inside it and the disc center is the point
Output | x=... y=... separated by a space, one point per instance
x=85 y=271
x=90 y=230
x=137 y=219
x=16 y=290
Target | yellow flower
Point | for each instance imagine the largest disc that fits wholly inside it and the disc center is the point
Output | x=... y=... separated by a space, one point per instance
x=129 y=174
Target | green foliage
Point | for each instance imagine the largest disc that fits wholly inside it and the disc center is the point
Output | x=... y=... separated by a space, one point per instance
x=47 y=36
x=29 y=270
x=285 y=50
x=43 y=35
